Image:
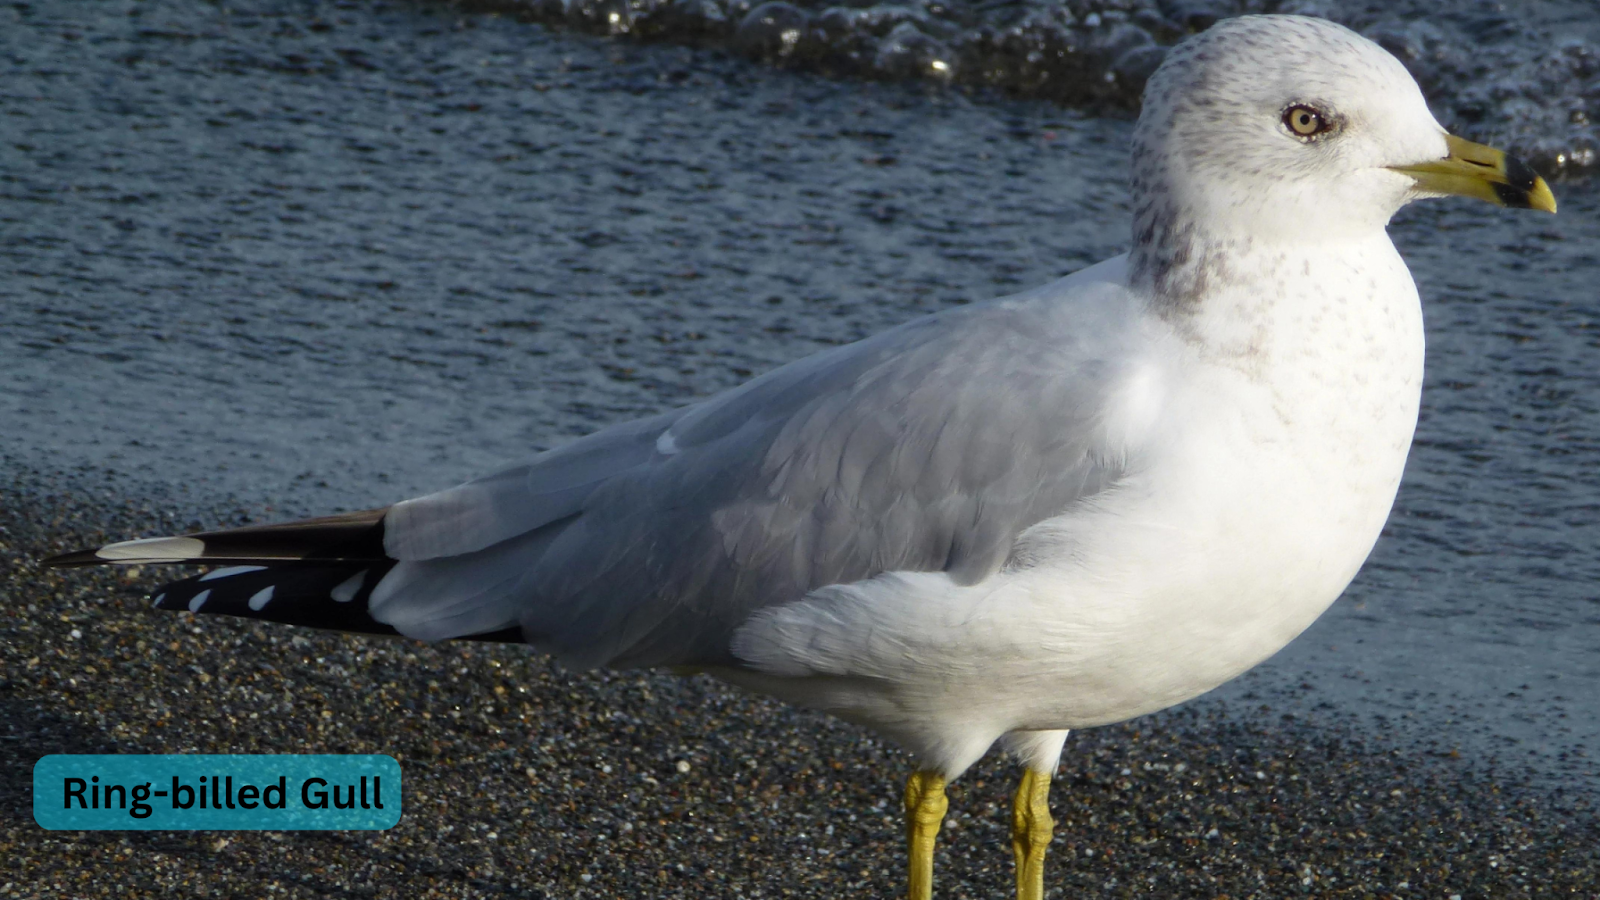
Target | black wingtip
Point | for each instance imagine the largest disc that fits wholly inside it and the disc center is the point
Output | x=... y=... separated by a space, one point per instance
x=510 y=635
x=74 y=559
x=323 y=595
x=348 y=537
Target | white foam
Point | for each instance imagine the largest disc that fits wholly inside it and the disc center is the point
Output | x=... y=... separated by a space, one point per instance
x=666 y=444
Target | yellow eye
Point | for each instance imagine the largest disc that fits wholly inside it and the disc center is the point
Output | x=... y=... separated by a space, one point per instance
x=1303 y=121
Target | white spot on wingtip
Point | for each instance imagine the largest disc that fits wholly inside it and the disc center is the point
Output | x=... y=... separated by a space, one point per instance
x=163 y=549
x=259 y=599
x=229 y=571
x=348 y=588
x=666 y=444
x=198 y=600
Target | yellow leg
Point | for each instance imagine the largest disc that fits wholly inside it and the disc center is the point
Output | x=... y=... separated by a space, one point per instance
x=925 y=806
x=1031 y=828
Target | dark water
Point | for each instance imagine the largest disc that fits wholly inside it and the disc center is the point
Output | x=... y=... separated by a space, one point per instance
x=304 y=256
x=1525 y=75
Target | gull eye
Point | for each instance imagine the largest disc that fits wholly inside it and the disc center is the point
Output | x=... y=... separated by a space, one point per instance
x=1305 y=121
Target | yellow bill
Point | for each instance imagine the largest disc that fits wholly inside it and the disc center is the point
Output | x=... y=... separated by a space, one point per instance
x=1473 y=170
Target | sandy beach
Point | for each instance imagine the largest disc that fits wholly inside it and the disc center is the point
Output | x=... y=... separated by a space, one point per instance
x=522 y=780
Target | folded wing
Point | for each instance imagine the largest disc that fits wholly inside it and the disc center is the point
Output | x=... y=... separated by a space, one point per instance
x=929 y=447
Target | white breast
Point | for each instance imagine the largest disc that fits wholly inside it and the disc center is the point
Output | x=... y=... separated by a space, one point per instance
x=1265 y=457
x=1268 y=492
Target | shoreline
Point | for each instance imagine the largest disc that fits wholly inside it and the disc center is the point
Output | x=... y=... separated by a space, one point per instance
x=523 y=779
x=1095 y=56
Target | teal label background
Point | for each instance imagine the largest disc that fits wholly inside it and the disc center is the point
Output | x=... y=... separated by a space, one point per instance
x=260 y=770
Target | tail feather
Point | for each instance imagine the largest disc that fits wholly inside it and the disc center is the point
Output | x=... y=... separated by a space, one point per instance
x=356 y=536
x=316 y=573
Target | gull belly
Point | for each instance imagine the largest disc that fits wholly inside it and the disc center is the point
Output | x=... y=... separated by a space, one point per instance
x=1266 y=437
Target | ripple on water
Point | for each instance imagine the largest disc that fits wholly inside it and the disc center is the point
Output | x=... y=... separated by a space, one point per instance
x=1530 y=83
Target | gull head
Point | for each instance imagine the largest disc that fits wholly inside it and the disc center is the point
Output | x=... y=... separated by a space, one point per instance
x=1285 y=128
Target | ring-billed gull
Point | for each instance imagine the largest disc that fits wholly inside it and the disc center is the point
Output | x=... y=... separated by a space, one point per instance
x=1058 y=509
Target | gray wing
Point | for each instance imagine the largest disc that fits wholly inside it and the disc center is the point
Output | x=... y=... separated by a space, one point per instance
x=929 y=447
